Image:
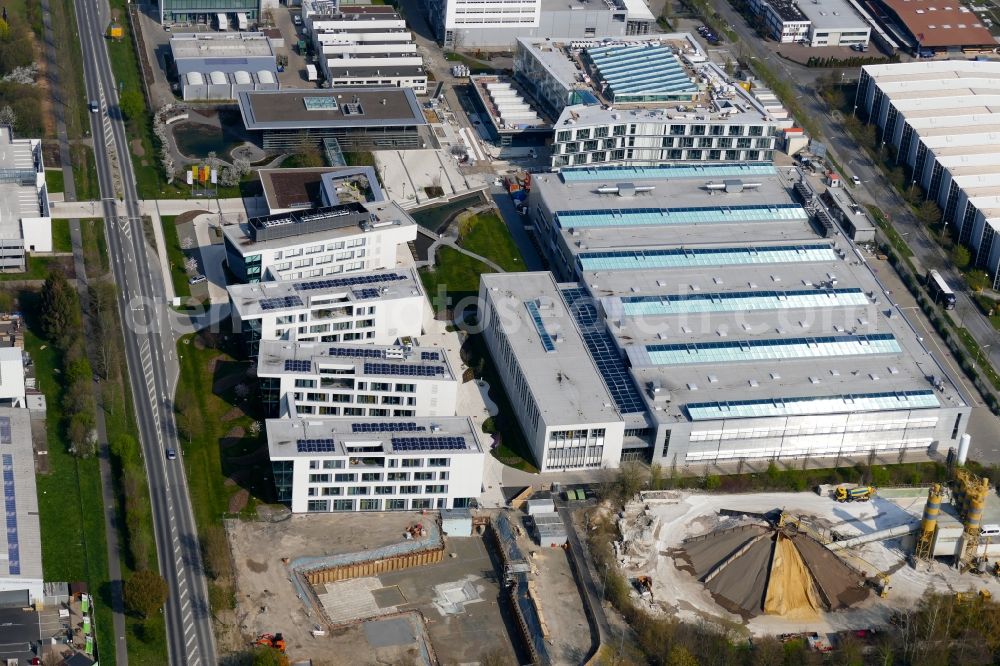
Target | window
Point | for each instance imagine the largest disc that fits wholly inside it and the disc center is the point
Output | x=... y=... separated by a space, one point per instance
x=343 y=505
x=319 y=478
x=619 y=130
x=406 y=388
x=413 y=462
x=395 y=505
x=305 y=383
x=563 y=136
x=333 y=464
x=371 y=476
x=357 y=490
x=601 y=132
x=398 y=476
x=436 y=489
x=736 y=130
x=345 y=478
x=313 y=464
x=698 y=130
x=332 y=490
x=420 y=504
x=423 y=476
x=384 y=490
x=409 y=490
x=318 y=505
x=369 y=505
x=583 y=133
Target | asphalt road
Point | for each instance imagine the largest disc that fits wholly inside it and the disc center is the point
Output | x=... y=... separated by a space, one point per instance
x=149 y=350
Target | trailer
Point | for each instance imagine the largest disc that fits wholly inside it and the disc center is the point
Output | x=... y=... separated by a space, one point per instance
x=241 y=21
x=311 y=73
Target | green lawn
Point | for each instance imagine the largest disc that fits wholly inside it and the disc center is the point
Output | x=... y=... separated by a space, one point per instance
x=54 y=180
x=70 y=506
x=455 y=274
x=60 y=236
x=175 y=255
x=39 y=267
x=488 y=236
x=85 y=173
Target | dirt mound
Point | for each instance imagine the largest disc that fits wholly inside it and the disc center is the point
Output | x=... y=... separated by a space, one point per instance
x=790 y=590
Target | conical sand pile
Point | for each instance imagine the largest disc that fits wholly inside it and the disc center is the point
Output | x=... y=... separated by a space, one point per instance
x=756 y=569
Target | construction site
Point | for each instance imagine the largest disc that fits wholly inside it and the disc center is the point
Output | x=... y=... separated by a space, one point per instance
x=840 y=558
x=402 y=587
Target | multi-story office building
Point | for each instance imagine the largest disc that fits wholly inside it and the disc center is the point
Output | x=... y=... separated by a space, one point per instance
x=330 y=241
x=830 y=23
x=219 y=14
x=25 y=220
x=644 y=102
x=497 y=23
x=364 y=46
x=939 y=120
x=324 y=379
x=378 y=308
x=710 y=319
x=357 y=464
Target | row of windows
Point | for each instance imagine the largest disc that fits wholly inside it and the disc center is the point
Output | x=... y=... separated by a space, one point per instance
x=326 y=313
x=361 y=386
x=320 y=272
x=282 y=334
x=319 y=261
x=393 y=462
x=325 y=410
x=520 y=390
x=315 y=249
x=655 y=156
x=673 y=130
x=821 y=429
x=377 y=504
x=356 y=491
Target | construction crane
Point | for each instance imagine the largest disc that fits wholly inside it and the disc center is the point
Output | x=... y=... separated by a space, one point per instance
x=857 y=494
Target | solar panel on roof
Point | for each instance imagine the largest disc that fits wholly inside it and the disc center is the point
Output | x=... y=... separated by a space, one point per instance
x=298 y=366
x=279 y=302
x=428 y=443
x=369 y=292
x=10 y=506
x=349 y=281
x=315 y=446
x=356 y=352
x=602 y=349
x=387 y=427
x=5 y=436
x=402 y=370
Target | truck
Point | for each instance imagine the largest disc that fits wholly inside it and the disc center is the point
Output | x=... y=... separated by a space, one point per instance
x=311 y=73
x=856 y=494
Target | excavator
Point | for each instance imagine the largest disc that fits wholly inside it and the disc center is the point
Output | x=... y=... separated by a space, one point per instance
x=276 y=641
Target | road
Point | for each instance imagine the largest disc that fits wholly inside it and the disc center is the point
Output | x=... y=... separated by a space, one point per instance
x=149 y=351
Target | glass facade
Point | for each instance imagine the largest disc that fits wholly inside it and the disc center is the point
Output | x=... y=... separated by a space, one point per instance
x=631 y=217
x=637 y=306
x=665 y=171
x=689 y=258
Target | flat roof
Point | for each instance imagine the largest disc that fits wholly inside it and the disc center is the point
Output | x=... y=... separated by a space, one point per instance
x=20 y=542
x=934 y=23
x=19 y=197
x=682 y=204
x=340 y=107
x=385 y=213
x=565 y=383
x=356 y=72
x=210 y=45
x=280 y=357
x=275 y=296
x=788 y=10
x=303 y=187
x=315 y=437
x=832 y=14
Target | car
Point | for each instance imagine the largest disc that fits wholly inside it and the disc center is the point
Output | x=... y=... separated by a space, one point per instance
x=94 y=106
x=171 y=454
x=167 y=28
x=196 y=279
x=855 y=180
x=296 y=19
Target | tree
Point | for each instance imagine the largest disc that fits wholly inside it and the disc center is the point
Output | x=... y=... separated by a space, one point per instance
x=679 y=656
x=145 y=593
x=60 y=314
x=929 y=213
x=132 y=104
x=977 y=280
x=82 y=435
x=268 y=656
x=961 y=257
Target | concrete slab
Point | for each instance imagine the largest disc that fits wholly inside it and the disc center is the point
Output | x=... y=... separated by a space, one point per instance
x=386 y=633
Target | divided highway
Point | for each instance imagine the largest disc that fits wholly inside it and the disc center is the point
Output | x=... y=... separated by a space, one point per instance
x=149 y=350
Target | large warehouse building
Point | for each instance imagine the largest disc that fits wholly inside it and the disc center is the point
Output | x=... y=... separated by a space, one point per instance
x=710 y=319
x=219 y=66
x=941 y=119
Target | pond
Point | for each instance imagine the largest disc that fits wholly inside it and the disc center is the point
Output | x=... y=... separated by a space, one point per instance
x=199 y=139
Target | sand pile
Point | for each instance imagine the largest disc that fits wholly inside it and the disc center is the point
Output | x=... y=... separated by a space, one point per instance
x=752 y=569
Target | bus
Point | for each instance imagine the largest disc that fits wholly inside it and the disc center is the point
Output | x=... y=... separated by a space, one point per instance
x=939 y=290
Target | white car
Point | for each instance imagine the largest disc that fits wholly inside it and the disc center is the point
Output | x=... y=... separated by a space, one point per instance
x=197 y=279
x=855 y=180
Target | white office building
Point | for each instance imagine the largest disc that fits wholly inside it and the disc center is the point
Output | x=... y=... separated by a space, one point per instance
x=25 y=219
x=357 y=464
x=378 y=308
x=364 y=46
x=645 y=101
x=330 y=241
x=827 y=23
x=220 y=65
x=707 y=318
x=497 y=23
x=324 y=379
x=939 y=119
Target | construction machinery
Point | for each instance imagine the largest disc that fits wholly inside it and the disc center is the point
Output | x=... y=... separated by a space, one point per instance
x=644 y=584
x=856 y=494
x=276 y=641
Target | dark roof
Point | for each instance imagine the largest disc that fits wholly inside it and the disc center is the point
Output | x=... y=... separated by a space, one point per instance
x=349 y=72
x=348 y=107
x=937 y=24
x=19 y=630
